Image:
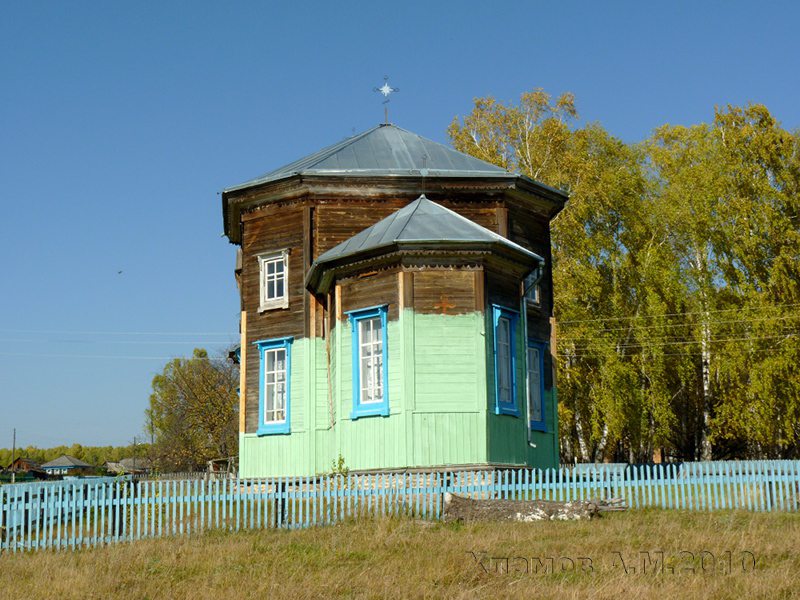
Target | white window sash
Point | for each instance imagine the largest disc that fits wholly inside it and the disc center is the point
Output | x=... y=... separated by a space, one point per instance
x=370 y=360
x=270 y=279
x=275 y=386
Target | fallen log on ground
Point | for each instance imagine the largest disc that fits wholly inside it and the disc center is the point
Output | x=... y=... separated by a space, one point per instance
x=459 y=508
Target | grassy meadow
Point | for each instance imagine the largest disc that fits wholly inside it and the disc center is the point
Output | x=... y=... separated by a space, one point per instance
x=705 y=555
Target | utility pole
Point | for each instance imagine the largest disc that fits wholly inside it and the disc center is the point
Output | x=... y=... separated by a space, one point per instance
x=134 y=453
x=13 y=451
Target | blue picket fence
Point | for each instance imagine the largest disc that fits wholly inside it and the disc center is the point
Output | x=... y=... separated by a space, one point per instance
x=84 y=513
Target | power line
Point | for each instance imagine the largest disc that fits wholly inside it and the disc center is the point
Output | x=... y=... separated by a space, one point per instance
x=665 y=315
x=694 y=324
x=711 y=341
x=145 y=342
x=716 y=353
x=78 y=332
x=99 y=356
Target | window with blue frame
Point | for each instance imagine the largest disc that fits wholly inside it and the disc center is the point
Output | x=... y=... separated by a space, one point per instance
x=505 y=363
x=370 y=365
x=274 y=402
x=535 y=370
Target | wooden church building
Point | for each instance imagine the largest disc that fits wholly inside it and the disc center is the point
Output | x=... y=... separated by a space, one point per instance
x=396 y=307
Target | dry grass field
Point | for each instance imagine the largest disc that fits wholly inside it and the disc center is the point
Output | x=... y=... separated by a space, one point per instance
x=717 y=555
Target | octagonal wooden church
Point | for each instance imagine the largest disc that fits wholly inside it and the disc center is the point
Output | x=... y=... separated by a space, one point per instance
x=395 y=311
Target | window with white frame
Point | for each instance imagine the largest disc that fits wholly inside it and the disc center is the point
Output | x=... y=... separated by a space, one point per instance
x=274 y=397
x=370 y=358
x=370 y=369
x=505 y=331
x=531 y=288
x=273 y=280
x=535 y=369
x=275 y=386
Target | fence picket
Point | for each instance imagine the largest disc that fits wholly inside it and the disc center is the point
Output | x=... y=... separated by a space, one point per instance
x=748 y=487
x=658 y=488
x=770 y=485
x=758 y=496
x=739 y=502
x=4 y=503
x=548 y=475
x=13 y=520
x=729 y=491
x=558 y=487
x=786 y=490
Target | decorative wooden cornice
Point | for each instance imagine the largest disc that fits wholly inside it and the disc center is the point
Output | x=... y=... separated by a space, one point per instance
x=419 y=259
x=346 y=189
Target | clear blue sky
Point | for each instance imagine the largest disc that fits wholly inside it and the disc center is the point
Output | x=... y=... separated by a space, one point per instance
x=121 y=122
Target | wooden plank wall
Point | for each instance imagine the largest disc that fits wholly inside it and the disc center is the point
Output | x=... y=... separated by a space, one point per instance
x=374 y=289
x=335 y=221
x=483 y=215
x=269 y=229
x=447 y=291
x=502 y=290
x=532 y=231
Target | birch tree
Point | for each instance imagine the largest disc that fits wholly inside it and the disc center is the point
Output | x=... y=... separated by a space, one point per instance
x=676 y=267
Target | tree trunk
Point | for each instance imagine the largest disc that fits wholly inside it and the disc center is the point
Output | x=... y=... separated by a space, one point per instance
x=705 y=354
x=584 y=450
x=705 y=444
x=600 y=451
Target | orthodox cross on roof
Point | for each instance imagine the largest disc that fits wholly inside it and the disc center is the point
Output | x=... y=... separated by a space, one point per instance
x=386 y=90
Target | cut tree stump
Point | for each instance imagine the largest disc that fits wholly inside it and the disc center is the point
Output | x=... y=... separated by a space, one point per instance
x=459 y=508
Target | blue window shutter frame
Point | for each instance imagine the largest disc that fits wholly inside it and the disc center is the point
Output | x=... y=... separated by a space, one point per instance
x=542 y=347
x=505 y=408
x=263 y=346
x=373 y=409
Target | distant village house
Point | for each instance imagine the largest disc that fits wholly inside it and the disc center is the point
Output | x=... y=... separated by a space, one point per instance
x=67 y=465
x=24 y=465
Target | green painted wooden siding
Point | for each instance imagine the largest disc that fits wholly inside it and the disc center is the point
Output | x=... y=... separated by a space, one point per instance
x=508 y=440
x=449 y=421
x=322 y=402
x=283 y=454
x=449 y=439
x=441 y=399
x=508 y=435
x=448 y=352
